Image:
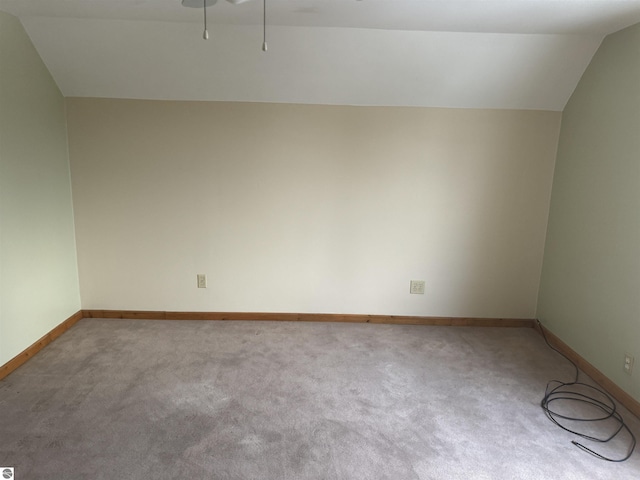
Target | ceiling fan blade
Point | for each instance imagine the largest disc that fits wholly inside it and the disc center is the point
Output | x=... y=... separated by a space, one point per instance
x=198 y=3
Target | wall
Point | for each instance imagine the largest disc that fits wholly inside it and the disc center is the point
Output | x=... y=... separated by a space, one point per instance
x=38 y=273
x=590 y=289
x=298 y=208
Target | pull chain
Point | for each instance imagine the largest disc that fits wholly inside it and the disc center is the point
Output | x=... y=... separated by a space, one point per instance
x=205 y=34
x=264 y=25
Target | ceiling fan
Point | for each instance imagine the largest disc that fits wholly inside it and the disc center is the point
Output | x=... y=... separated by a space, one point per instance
x=208 y=3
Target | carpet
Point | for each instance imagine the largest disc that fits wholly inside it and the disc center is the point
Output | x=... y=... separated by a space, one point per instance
x=139 y=399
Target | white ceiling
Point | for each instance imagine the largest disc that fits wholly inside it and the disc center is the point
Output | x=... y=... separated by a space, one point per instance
x=445 y=53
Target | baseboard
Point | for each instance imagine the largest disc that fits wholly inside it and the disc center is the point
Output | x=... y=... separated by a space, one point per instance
x=29 y=352
x=312 y=317
x=600 y=378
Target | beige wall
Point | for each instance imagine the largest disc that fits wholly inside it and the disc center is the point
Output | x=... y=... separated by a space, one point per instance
x=310 y=208
x=38 y=273
x=590 y=289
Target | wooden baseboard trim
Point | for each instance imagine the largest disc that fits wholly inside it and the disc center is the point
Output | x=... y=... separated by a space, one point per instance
x=311 y=317
x=600 y=378
x=29 y=352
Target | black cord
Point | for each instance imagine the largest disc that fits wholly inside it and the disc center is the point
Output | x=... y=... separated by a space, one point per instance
x=607 y=406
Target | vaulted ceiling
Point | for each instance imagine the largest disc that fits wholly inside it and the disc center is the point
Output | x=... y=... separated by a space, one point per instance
x=442 y=53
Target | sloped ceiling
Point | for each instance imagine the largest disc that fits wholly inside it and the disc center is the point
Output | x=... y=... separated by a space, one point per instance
x=509 y=54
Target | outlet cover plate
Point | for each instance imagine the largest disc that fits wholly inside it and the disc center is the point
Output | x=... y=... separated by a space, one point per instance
x=628 y=363
x=417 y=287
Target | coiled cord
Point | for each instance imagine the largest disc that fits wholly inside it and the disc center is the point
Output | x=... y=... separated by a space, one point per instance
x=567 y=391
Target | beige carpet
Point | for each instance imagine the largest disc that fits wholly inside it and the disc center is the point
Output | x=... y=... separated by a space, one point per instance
x=137 y=399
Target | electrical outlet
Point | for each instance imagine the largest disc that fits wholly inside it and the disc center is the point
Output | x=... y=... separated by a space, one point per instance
x=628 y=363
x=417 y=286
x=202 y=280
